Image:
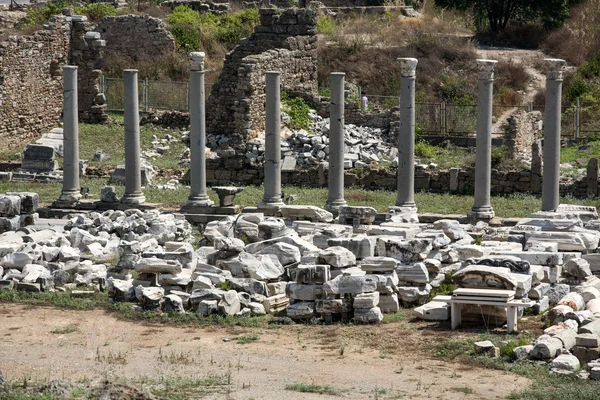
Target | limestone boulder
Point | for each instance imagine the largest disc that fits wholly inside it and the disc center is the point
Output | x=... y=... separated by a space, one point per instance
x=480 y=276
x=337 y=257
x=285 y=253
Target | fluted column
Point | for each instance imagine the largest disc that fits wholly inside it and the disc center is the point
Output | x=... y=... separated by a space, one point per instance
x=335 y=196
x=482 y=207
x=272 y=184
x=71 y=191
x=551 y=156
x=198 y=196
x=133 y=172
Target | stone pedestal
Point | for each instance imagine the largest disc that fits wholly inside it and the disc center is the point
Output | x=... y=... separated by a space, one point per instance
x=70 y=194
x=335 y=196
x=198 y=196
x=272 y=193
x=551 y=153
x=482 y=207
x=133 y=175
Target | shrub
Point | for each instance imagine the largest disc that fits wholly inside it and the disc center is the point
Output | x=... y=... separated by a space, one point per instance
x=498 y=154
x=424 y=150
x=326 y=26
x=298 y=110
x=196 y=31
x=40 y=15
x=97 y=11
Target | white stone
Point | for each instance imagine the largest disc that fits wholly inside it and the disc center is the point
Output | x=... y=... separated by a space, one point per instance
x=366 y=300
x=566 y=361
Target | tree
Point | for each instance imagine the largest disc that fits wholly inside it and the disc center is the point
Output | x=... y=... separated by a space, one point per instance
x=497 y=13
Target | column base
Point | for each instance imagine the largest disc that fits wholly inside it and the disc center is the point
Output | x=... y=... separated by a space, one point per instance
x=270 y=205
x=67 y=199
x=133 y=198
x=481 y=213
x=198 y=201
x=335 y=205
x=404 y=214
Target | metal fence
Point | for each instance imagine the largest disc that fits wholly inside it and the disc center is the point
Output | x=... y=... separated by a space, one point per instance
x=158 y=95
x=446 y=119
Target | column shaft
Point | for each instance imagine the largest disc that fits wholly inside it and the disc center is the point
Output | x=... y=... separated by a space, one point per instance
x=482 y=207
x=198 y=196
x=133 y=172
x=272 y=184
x=406 y=142
x=335 y=196
x=70 y=194
x=552 y=131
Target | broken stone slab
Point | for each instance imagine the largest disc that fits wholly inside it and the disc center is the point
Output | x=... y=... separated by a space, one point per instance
x=354 y=285
x=357 y=215
x=361 y=246
x=556 y=292
x=173 y=304
x=593 y=306
x=158 y=266
x=436 y=310
x=479 y=276
x=555 y=225
x=310 y=213
x=486 y=347
x=593 y=261
x=389 y=304
x=534 y=258
x=39 y=158
x=586 y=354
x=9 y=223
x=202 y=282
x=17 y=260
x=568 y=241
x=593 y=328
x=404 y=231
x=229 y=303
x=414 y=273
x=567 y=337
x=438 y=239
x=323 y=233
x=523 y=284
x=466 y=252
x=523 y=352
x=366 y=300
x=378 y=264
x=402 y=215
x=28 y=287
x=207 y=307
x=538 y=291
x=261 y=267
x=566 y=362
x=585 y=213
x=276 y=288
x=414 y=294
x=29 y=201
x=402 y=249
x=337 y=257
x=118 y=175
x=149 y=297
x=368 y=315
x=332 y=306
x=108 y=195
x=301 y=244
x=272 y=227
x=451 y=228
x=310 y=274
x=301 y=292
x=577 y=267
x=301 y=310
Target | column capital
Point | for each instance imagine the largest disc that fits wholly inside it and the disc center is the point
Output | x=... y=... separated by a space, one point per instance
x=554 y=68
x=197 y=61
x=485 y=69
x=408 y=66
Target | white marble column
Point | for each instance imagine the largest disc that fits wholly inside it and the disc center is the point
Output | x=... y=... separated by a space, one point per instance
x=133 y=172
x=71 y=191
x=551 y=149
x=198 y=196
x=272 y=184
x=482 y=207
x=335 y=196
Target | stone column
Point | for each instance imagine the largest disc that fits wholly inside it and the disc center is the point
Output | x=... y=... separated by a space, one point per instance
x=71 y=191
x=198 y=196
x=482 y=207
x=551 y=152
x=405 y=201
x=335 y=196
x=133 y=170
x=272 y=193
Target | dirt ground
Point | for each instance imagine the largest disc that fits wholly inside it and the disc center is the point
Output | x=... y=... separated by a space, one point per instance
x=359 y=362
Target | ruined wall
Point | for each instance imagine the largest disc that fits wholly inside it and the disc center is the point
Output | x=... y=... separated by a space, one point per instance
x=31 y=81
x=136 y=37
x=523 y=129
x=285 y=41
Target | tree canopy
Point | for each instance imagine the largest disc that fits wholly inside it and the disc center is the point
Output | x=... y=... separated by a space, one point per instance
x=497 y=13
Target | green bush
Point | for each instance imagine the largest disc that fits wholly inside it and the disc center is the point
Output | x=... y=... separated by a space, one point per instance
x=40 y=15
x=298 y=110
x=498 y=154
x=326 y=26
x=424 y=149
x=97 y=11
x=196 y=31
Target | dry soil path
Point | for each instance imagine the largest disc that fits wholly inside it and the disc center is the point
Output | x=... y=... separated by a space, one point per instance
x=392 y=360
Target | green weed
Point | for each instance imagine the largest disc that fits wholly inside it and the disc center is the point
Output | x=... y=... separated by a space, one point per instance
x=61 y=330
x=245 y=339
x=312 y=388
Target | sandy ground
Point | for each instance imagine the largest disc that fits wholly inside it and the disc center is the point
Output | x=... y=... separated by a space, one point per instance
x=360 y=362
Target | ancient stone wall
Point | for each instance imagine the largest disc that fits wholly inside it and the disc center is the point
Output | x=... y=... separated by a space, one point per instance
x=285 y=41
x=31 y=81
x=136 y=37
x=523 y=129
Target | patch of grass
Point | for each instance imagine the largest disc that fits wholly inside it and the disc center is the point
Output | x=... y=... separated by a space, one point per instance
x=111 y=358
x=312 y=388
x=247 y=338
x=61 y=330
x=462 y=389
x=553 y=387
x=175 y=357
x=401 y=315
x=56 y=299
x=446 y=288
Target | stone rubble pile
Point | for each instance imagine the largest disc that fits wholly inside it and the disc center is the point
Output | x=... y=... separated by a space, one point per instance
x=18 y=209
